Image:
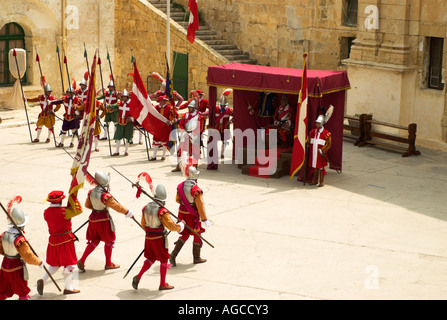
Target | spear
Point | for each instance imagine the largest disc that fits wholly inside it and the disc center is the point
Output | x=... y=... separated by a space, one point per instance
x=43 y=84
x=161 y=205
x=111 y=71
x=21 y=88
x=66 y=67
x=60 y=68
x=104 y=189
x=104 y=98
x=86 y=60
x=29 y=244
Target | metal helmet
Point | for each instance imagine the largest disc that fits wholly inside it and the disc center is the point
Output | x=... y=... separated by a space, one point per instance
x=193 y=104
x=320 y=119
x=83 y=82
x=193 y=173
x=70 y=89
x=19 y=217
x=111 y=84
x=102 y=178
x=48 y=88
x=163 y=86
x=125 y=93
x=223 y=101
x=160 y=193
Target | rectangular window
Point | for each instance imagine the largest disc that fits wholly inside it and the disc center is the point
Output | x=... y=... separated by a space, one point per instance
x=435 y=66
x=345 y=47
x=350 y=12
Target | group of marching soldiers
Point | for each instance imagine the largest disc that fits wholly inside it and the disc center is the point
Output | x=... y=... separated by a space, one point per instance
x=61 y=253
x=113 y=108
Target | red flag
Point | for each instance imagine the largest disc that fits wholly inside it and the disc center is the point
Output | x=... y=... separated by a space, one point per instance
x=193 y=25
x=144 y=112
x=83 y=152
x=300 y=137
x=37 y=58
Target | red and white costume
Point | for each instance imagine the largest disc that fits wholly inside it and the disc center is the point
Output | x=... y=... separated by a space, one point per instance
x=319 y=139
x=222 y=120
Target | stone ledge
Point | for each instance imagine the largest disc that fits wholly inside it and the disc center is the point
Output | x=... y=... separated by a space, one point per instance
x=378 y=65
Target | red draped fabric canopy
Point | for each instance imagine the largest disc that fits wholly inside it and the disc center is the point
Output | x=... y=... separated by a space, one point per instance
x=247 y=81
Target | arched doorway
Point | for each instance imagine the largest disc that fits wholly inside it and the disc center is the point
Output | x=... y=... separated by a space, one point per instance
x=11 y=36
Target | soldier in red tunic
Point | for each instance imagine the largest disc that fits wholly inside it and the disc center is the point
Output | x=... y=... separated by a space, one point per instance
x=17 y=252
x=166 y=110
x=155 y=220
x=190 y=126
x=320 y=142
x=61 y=250
x=192 y=211
x=101 y=226
x=73 y=106
x=46 y=116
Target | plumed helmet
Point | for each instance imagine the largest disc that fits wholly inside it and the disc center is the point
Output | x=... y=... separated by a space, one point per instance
x=160 y=193
x=102 y=178
x=111 y=84
x=19 y=217
x=125 y=93
x=48 y=88
x=193 y=104
x=320 y=119
x=193 y=173
x=70 y=89
x=83 y=82
x=223 y=101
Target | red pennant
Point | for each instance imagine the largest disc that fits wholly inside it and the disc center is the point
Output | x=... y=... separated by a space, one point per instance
x=138 y=192
x=37 y=58
x=99 y=61
x=65 y=59
x=14 y=53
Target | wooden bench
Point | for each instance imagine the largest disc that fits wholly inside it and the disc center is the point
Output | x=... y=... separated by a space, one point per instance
x=355 y=129
x=367 y=125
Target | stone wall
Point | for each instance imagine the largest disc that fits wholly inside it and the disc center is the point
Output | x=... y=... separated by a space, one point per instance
x=68 y=23
x=143 y=28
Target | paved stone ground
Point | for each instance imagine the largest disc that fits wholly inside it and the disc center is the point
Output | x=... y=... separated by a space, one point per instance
x=376 y=231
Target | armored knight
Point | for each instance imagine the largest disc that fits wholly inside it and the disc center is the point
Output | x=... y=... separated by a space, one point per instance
x=101 y=226
x=320 y=142
x=124 y=127
x=156 y=219
x=191 y=126
x=192 y=211
x=13 y=272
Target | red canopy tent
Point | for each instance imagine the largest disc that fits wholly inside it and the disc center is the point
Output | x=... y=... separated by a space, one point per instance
x=247 y=81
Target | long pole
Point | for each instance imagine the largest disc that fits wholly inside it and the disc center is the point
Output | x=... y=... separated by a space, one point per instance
x=168 y=31
x=104 y=101
x=29 y=244
x=60 y=68
x=21 y=88
x=162 y=205
x=96 y=181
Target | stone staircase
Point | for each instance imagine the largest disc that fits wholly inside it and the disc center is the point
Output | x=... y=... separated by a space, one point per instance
x=207 y=35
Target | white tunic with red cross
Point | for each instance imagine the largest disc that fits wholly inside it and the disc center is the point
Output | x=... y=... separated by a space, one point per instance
x=318 y=139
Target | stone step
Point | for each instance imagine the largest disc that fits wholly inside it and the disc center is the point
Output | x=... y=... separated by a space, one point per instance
x=248 y=61
x=216 y=42
x=219 y=47
x=237 y=57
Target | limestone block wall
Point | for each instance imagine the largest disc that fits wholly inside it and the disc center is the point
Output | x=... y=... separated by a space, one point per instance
x=143 y=28
x=277 y=32
x=68 y=23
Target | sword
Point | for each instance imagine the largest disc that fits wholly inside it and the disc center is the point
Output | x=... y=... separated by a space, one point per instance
x=162 y=205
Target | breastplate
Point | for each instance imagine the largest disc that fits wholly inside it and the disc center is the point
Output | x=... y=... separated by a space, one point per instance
x=151 y=215
x=187 y=187
x=8 y=244
x=95 y=199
